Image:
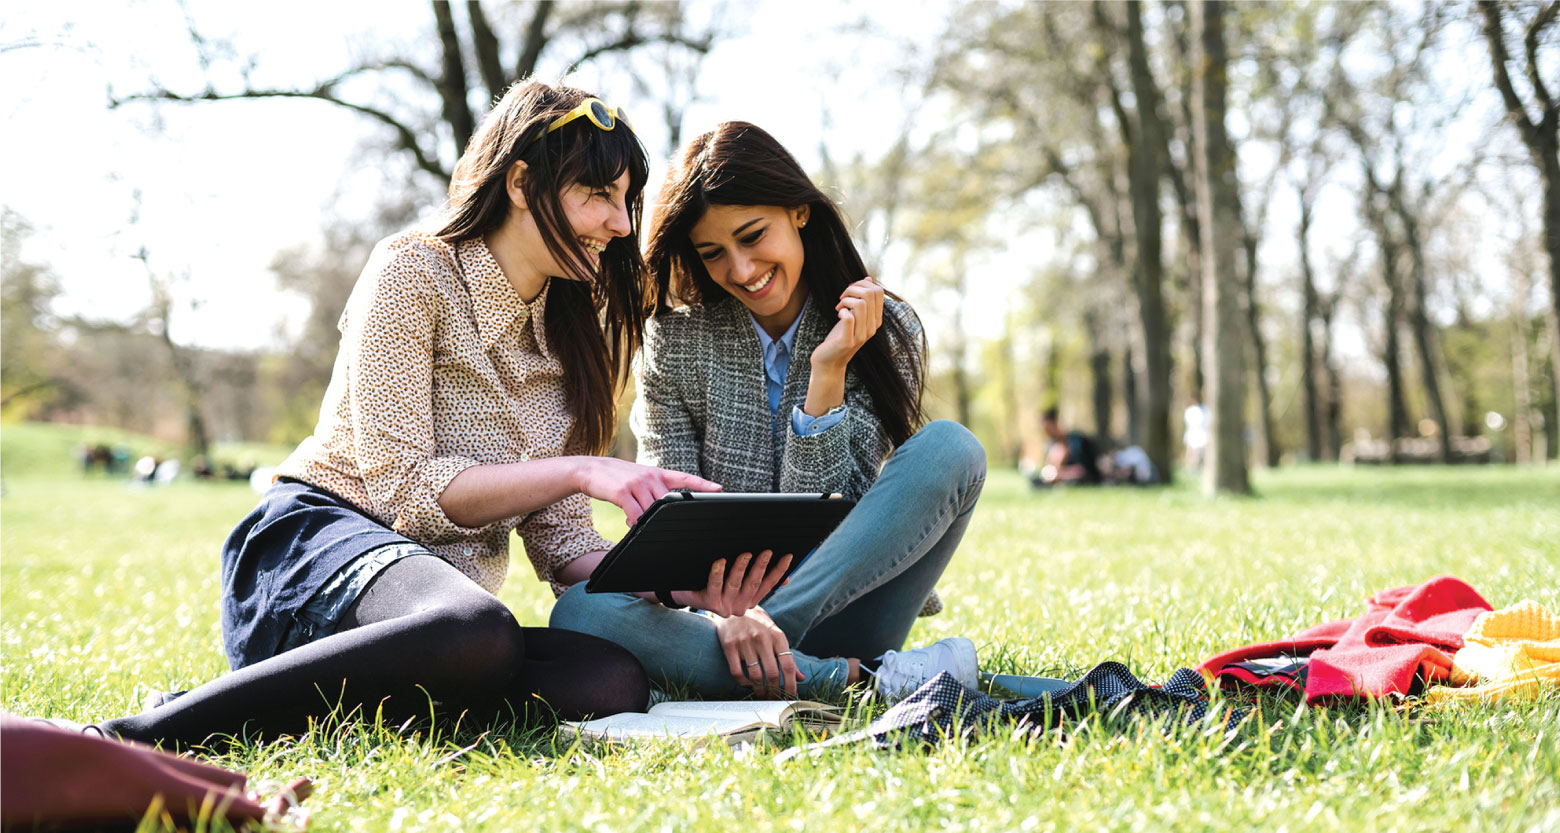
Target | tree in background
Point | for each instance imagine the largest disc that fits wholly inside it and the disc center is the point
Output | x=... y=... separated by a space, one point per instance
x=429 y=111
x=427 y=105
x=1224 y=467
x=30 y=381
x=1537 y=120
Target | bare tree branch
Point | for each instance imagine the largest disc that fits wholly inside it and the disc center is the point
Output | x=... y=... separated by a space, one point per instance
x=452 y=82
x=485 y=44
x=1495 y=34
x=406 y=138
x=1541 y=21
x=535 y=40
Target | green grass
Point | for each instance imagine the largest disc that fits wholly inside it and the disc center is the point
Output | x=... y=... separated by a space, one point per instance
x=108 y=591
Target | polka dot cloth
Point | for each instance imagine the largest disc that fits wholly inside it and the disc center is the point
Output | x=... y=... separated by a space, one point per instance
x=943 y=707
x=444 y=367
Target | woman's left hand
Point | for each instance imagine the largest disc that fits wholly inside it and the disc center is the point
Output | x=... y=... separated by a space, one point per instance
x=757 y=652
x=860 y=311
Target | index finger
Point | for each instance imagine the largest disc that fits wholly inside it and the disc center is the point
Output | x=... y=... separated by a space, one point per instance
x=675 y=480
x=773 y=575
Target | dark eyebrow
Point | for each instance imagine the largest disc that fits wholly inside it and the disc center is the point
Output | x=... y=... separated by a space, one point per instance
x=737 y=232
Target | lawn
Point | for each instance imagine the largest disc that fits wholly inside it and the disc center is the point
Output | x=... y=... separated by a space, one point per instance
x=107 y=591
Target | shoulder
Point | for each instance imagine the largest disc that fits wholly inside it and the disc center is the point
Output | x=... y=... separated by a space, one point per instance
x=904 y=313
x=686 y=325
x=411 y=258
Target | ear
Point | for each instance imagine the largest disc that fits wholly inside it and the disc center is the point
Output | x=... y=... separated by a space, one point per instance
x=800 y=214
x=512 y=181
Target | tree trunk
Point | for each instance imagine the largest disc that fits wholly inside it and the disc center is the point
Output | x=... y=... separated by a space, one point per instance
x=1308 y=315
x=1332 y=410
x=1224 y=466
x=1521 y=381
x=1392 y=351
x=1542 y=138
x=1129 y=395
x=1551 y=176
x=1149 y=274
x=1270 y=447
x=1099 y=372
x=1419 y=324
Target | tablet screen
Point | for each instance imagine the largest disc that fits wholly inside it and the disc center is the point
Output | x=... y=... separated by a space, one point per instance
x=682 y=534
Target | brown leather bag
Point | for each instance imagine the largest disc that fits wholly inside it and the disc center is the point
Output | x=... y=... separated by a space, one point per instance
x=53 y=777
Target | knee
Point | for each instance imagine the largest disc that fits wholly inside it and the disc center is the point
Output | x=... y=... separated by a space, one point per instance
x=572 y=610
x=954 y=447
x=623 y=684
x=480 y=633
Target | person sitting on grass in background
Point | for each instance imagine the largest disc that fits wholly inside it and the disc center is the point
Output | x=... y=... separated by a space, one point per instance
x=479 y=367
x=1072 y=457
x=789 y=369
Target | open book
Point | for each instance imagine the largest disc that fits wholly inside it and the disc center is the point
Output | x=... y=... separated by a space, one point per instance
x=733 y=721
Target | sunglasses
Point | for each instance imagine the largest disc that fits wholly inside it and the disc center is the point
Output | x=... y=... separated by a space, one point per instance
x=597 y=111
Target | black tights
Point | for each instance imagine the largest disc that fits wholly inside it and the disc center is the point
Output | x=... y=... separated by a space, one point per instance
x=421 y=630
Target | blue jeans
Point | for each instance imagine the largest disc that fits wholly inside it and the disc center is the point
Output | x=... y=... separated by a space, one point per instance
x=856 y=596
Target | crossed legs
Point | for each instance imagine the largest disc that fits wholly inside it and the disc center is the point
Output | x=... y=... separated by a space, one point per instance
x=421 y=631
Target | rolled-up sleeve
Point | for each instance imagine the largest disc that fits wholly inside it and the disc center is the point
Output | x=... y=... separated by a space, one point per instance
x=388 y=334
x=833 y=459
x=559 y=534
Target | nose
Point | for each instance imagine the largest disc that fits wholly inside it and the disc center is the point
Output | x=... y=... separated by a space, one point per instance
x=741 y=267
x=617 y=222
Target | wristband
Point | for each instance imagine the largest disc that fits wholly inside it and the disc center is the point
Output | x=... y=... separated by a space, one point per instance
x=665 y=598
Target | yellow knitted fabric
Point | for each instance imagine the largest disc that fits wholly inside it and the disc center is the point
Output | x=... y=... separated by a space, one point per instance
x=1514 y=650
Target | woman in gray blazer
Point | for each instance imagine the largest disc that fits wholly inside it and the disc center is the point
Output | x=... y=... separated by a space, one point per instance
x=785 y=368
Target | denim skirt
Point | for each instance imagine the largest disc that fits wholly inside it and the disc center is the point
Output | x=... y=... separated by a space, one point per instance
x=281 y=556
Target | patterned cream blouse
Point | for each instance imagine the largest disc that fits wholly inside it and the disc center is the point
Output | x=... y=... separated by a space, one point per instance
x=442 y=367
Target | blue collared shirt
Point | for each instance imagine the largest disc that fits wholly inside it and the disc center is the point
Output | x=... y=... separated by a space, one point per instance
x=777 y=360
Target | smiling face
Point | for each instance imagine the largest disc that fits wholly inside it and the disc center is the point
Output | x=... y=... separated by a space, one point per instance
x=596 y=216
x=755 y=253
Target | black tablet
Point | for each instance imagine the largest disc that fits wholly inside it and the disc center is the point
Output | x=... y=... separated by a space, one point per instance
x=676 y=540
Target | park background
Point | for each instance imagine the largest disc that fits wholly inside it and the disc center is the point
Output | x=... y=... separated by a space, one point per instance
x=190 y=190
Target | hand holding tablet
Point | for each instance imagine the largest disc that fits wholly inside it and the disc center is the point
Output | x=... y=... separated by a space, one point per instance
x=684 y=539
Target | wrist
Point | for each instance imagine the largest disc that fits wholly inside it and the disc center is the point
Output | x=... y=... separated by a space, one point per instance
x=575 y=467
x=825 y=391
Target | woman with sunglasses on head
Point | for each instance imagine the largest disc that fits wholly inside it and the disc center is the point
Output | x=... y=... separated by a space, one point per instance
x=790 y=370
x=477 y=375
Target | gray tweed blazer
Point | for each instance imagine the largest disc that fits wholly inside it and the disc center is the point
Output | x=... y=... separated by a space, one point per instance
x=703 y=407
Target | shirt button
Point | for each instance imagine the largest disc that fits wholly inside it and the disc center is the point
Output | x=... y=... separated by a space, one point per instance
x=466 y=550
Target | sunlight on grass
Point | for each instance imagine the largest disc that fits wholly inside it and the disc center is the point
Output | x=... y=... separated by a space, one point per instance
x=109 y=591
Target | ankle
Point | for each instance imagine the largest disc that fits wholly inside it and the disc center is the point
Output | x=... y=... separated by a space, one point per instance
x=852 y=670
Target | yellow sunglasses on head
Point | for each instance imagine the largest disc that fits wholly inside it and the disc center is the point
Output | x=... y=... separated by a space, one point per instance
x=597 y=111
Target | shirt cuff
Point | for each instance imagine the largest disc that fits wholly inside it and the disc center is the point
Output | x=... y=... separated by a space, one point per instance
x=807 y=425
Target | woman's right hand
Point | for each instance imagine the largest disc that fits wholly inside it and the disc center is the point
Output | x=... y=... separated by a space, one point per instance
x=736 y=591
x=757 y=652
x=630 y=486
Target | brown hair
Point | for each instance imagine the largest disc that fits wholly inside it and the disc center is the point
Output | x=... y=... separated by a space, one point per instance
x=739 y=164
x=595 y=322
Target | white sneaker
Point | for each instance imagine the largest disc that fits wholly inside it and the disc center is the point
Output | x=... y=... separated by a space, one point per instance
x=900 y=673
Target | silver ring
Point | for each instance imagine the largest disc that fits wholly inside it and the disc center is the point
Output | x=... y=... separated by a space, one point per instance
x=783 y=654
x=753 y=663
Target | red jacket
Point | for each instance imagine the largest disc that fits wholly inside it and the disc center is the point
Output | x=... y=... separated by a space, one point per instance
x=1404 y=641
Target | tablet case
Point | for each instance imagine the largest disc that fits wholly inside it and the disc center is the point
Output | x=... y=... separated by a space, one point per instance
x=677 y=539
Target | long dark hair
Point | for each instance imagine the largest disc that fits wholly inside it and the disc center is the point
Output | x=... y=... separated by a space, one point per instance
x=739 y=164
x=595 y=323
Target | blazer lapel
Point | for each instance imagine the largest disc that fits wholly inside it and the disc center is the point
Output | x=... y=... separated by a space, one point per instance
x=739 y=363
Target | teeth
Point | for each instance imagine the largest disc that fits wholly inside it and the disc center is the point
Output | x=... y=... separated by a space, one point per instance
x=594 y=245
x=761 y=282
